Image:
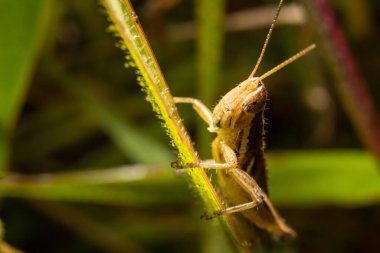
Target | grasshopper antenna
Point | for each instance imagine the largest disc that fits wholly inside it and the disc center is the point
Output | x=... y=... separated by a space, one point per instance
x=267 y=40
x=287 y=62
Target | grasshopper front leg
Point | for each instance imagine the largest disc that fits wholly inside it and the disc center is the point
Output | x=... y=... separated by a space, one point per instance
x=198 y=106
x=206 y=115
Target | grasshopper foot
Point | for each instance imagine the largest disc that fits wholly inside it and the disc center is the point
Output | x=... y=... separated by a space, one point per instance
x=177 y=165
x=212 y=216
x=182 y=168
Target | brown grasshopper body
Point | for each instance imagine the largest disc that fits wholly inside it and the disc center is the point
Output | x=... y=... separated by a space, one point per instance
x=238 y=150
x=239 y=122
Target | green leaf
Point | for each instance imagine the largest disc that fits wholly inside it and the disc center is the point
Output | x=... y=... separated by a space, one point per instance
x=137 y=185
x=346 y=178
x=22 y=28
x=335 y=177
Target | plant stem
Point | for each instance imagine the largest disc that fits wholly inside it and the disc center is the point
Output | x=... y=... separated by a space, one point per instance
x=150 y=77
x=210 y=24
x=350 y=84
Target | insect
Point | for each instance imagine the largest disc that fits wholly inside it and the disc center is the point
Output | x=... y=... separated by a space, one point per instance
x=238 y=149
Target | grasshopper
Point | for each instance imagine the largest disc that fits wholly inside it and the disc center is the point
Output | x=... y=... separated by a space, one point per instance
x=238 y=149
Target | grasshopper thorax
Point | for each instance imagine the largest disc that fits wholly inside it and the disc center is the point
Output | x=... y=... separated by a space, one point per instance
x=239 y=106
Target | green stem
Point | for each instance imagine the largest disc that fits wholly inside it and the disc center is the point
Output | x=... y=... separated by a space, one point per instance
x=127 y=26
x=210 y=24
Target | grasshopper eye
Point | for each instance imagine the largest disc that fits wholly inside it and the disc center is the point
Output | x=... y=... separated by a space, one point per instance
x=250 y=107
x=254 y=103
x=255 y=106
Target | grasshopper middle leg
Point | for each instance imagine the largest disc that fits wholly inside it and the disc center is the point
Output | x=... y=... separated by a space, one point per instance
x=232 y=209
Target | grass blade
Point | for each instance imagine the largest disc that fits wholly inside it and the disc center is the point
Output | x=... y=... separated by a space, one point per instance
x=126 y=25
x=345 y=178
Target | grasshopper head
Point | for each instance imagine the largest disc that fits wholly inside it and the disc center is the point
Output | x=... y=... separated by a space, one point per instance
x=239 y=106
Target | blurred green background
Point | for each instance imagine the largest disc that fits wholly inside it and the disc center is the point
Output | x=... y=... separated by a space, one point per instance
x=85 y=162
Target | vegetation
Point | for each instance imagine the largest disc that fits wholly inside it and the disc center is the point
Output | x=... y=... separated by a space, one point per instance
x=86 y=164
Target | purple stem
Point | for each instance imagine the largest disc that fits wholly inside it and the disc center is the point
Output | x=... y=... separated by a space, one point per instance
x=351 y=86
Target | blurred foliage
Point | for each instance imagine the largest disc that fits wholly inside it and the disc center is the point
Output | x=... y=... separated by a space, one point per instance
x=20 y=48
x=72 y=119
